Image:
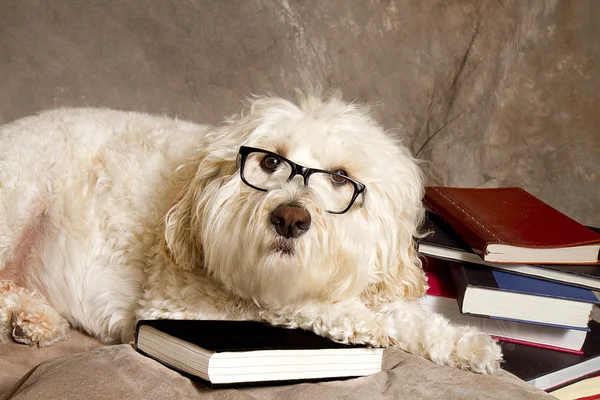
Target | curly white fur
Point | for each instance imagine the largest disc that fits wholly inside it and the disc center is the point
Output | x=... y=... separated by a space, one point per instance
x=114 y=216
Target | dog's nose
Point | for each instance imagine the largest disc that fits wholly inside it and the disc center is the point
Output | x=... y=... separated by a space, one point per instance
x=290 y=221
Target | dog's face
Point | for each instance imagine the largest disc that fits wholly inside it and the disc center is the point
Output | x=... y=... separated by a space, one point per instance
x=283 y=245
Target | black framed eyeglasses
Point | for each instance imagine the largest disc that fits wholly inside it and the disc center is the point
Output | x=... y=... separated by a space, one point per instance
x=264 y=170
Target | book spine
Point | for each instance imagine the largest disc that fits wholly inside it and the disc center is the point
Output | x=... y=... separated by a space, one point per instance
x=472 y=231
x=459 y=276
x=136 y=334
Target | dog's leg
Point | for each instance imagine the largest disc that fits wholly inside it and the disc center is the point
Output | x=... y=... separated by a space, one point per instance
x=433 y=337
x=24 y=314
x=346 y=322
x=21 y=206
x=29 y=317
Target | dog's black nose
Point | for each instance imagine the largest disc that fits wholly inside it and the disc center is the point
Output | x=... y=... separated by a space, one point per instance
x=290 y=221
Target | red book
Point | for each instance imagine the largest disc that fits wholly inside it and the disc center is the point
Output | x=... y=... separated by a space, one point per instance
x=439 y=278
x=509 y=225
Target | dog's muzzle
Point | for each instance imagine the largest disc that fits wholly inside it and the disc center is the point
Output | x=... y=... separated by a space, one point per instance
x=290 y=221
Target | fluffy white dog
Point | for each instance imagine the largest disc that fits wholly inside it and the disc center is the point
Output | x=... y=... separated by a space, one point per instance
x=302 y=215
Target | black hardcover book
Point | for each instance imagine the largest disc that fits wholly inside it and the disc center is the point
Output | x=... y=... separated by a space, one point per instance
x=446 y=244
x=501 y=295
x=550 y=369
x=248 y=352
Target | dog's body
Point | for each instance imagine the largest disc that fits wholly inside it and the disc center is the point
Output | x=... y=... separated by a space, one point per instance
x=113 y=216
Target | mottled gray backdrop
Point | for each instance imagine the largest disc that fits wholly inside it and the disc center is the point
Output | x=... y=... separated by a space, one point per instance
x=489 y=93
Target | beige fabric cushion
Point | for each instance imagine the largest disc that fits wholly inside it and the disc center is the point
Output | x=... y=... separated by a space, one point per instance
x=17 y=359
x=118 y=372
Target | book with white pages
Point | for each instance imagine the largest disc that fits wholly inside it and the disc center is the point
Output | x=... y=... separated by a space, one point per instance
x=226 y=353
x=441 y=299
x=442 y=242
x=547 y=337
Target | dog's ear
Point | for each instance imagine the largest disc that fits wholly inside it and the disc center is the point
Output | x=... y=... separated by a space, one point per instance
x=181 y=240
x=406 y=280
x=196 y=182
x=199 y=180
x=399 y=270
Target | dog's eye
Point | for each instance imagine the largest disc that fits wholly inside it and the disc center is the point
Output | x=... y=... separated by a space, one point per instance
x=337 y=179
x=270 y=163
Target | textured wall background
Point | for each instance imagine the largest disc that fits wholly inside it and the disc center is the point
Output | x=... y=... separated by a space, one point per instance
x=490 y=93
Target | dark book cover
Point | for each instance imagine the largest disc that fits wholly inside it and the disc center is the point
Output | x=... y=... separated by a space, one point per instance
x=236 y=336
x=532 y=363
x=590 y=271
x=443 y=236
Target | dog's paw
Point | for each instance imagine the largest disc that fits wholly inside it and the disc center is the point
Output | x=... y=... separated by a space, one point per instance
x=357 y=329
x=339 y=323
x=39 y=327
x=478 y=352
x=7 y=304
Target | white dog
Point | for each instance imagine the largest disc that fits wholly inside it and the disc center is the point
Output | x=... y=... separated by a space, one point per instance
x=302 y=215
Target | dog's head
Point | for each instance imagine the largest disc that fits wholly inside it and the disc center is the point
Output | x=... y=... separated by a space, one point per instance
x=320 y=204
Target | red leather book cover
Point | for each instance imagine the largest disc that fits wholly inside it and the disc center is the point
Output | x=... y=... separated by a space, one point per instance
x=509 y=216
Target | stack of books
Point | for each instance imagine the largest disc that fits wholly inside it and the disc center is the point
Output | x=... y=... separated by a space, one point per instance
x=504 y=261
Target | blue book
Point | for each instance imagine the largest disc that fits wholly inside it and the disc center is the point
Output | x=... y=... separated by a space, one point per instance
x=500 y=295
x=527 y=285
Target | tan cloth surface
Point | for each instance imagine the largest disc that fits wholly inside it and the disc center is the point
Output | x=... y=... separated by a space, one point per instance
x=118 y=372
x=17 y=359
